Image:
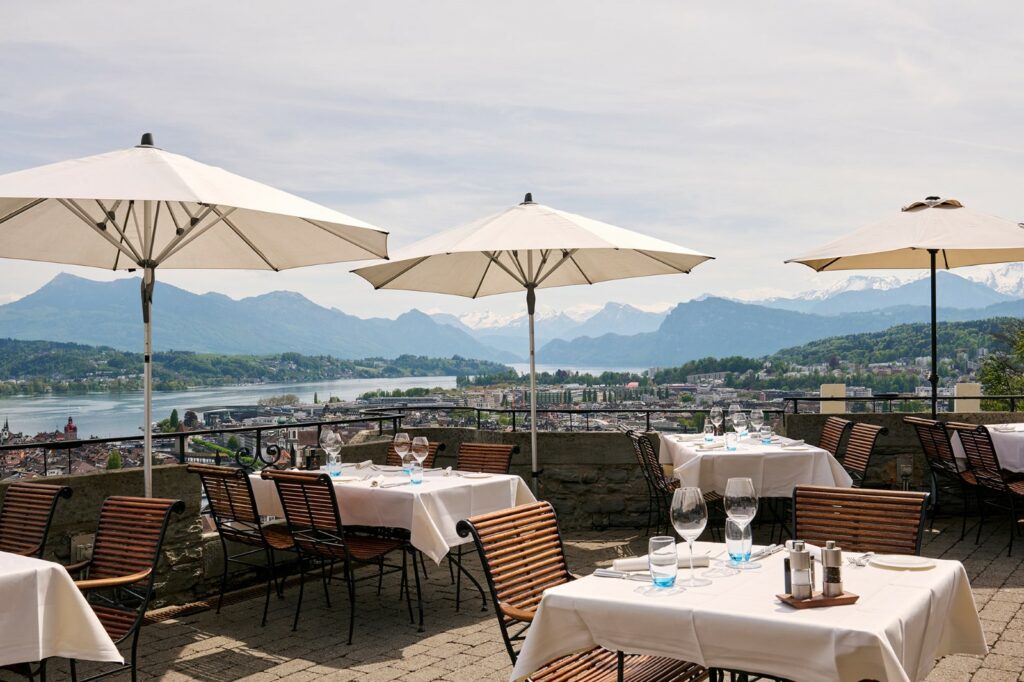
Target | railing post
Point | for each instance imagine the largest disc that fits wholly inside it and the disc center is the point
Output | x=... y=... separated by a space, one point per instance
x=478 y=419
x=181 y=448
x=46 y=461
x=69 y=461
x=570 y=422
x=259 y=444
x=513 y=419
x=380 y=427
x=1013 y=404
x=648 y=419
x=586 y=420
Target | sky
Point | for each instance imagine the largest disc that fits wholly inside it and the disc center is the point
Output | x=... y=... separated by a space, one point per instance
x=751 y=131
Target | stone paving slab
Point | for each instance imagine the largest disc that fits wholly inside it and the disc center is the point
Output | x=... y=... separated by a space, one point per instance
x=466 y=646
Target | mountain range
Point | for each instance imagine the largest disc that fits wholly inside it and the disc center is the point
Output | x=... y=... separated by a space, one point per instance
x=74 y=309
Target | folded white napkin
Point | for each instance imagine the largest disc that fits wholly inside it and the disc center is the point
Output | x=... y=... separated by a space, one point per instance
x=377 y=481
x=711 y=446
x=690 y=437
x=364 y=464
x=639 y=563
x=794 y=444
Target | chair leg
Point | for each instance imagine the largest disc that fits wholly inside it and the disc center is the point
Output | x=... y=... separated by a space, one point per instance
x=981 y=515
x=42 y=671
x=351 y=580
x=419 y=593
x=135 y=650
x=1013 y=523
x=380 y=576
x=405 y=577
x=270 y=585
x=224 y=576
x=302 y=586
x=323 y=579
x=458 y=582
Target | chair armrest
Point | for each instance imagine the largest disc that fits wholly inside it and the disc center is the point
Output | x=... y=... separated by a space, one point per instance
x=515 y=612
x=112 y=582
x=80 y=566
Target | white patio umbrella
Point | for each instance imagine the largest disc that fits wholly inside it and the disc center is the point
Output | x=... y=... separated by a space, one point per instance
x=528 y=247
x=144 y=208
x=935 y=234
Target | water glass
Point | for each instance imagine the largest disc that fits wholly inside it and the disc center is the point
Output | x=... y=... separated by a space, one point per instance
x=740 y=503
x=731 y=438
x=766 y=435
x=416 y=473
x=662 y=560
x=709 y=432
x=334 y=464
x=738 y=541
x=689 y=515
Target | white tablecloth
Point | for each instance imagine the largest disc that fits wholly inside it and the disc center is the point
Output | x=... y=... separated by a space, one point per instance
x=43 y=614
x=429 y=511
x=773 y=469
x=1009 y=446
x=903 y=621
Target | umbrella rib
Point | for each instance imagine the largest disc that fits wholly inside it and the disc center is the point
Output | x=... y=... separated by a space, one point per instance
x=18 y=211
x=826 y=265
x=120 y=232
x=191 y=233
x=84 y=217
x=663 y=262
x=945 y=258
x=493 y=255
x=344 y=238
x=573 y=259
x=479 y=286
x=152 y=237
x=519 y=266
x=566 y=256
x=391 y=279
x=245 y=239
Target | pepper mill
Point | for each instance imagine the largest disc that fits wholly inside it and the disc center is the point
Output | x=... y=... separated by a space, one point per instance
x=832 y=567
x=800 y=571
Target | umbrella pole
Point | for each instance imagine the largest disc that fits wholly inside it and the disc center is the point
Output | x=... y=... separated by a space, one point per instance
x=148 y=278
x=531 y=304
x=934 y=378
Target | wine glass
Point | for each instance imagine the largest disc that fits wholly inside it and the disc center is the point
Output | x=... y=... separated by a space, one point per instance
x=716 y=416
x=420 y=449
x=331 y=442
x=756 y=419
x=739 y=424
x=689 y=515
x=741 y=507
x=402 y=448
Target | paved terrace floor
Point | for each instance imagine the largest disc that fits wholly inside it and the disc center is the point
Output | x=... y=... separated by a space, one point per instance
x=467 y=646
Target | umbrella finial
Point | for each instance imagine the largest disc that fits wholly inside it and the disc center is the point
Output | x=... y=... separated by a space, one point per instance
x=147 y=140
x=528 y=199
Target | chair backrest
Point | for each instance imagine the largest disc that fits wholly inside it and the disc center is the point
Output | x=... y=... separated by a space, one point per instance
x=860 y=519
x=490 y=458
x=522 y=555
x=394 y=460
x=26 y=515
x=858 y=450
x=935 y=444
x=311 y=510
x=130 y=535
x=981 y=455
x=232 y=504
x=832 y=434
x=647 y=458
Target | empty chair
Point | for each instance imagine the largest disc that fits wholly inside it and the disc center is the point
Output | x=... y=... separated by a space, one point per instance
x=832 y=434
x=527 y=536
x=433 y=448
x=860 y=520
x=311 y=509
x=942 y=463
x=489 y=458
x=1004 y=489
x=859 y=449
x=118 y=579
x=26 y=515
x=233 y=508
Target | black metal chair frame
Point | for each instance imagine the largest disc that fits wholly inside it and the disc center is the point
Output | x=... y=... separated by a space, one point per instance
x=940 y=470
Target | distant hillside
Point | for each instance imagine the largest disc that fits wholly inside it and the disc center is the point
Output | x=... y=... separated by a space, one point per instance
x=45 y=365
x=73 y=309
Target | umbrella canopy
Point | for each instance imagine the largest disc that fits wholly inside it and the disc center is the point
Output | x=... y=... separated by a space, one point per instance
x=528 y=247
x=147 y=208
x=938 y=234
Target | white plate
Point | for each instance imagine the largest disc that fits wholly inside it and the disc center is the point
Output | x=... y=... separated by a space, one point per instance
x=476 y=474
x=902 y=562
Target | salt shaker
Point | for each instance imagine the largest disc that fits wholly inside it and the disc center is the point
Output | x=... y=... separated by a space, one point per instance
x=832 y=567
x=800 y=571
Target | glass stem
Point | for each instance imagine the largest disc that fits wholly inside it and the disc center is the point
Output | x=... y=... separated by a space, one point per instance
x=689 y=543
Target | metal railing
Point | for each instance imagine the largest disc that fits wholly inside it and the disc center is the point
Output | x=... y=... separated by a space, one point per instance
x=886 y=400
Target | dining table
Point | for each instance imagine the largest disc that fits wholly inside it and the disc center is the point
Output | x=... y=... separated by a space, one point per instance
x=775 y=468
x=902 y=621
x=384 y=497
x=43 y=615
x=1007 y=439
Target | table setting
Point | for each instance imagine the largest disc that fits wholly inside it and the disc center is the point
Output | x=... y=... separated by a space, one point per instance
x=1008 y=440
x=795 y=611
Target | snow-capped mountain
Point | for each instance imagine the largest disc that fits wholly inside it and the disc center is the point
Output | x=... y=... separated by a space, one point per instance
x=1006 y=279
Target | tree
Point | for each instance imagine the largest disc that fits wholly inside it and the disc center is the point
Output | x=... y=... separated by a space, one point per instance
x=173 y=421
x=316 y=398
x=234 y=445
x=114 y=460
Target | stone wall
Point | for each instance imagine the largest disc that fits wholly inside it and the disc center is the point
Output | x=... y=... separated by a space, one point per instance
x=180 y=570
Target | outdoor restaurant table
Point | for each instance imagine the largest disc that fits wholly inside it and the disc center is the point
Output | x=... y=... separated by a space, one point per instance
x=903 y=621
x=43 y=614
x=773 y=469
x=1009 y=446
x=429 y=511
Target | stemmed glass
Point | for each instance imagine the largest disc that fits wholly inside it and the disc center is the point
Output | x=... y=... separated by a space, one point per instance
x=420 y=448
x=716 y=416
x=756 y=419
x=402 y=449
x=739 y=424
x=741 y=507
x=689 y=516
x=331 y=442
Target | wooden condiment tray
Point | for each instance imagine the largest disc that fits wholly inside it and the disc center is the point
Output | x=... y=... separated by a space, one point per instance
x=819 y=600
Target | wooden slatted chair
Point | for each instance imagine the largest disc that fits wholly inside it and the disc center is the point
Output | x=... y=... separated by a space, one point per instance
x=522 y=555
x=26 y=515
x=859 y=449
x=488 y=458
x=832 y=434
x=233 y=508
x=118 y=579
x=942 y=463
x=433 y=448
x=1005 y=489
x=659 y=486
x=311 y=509
x=860 y=519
